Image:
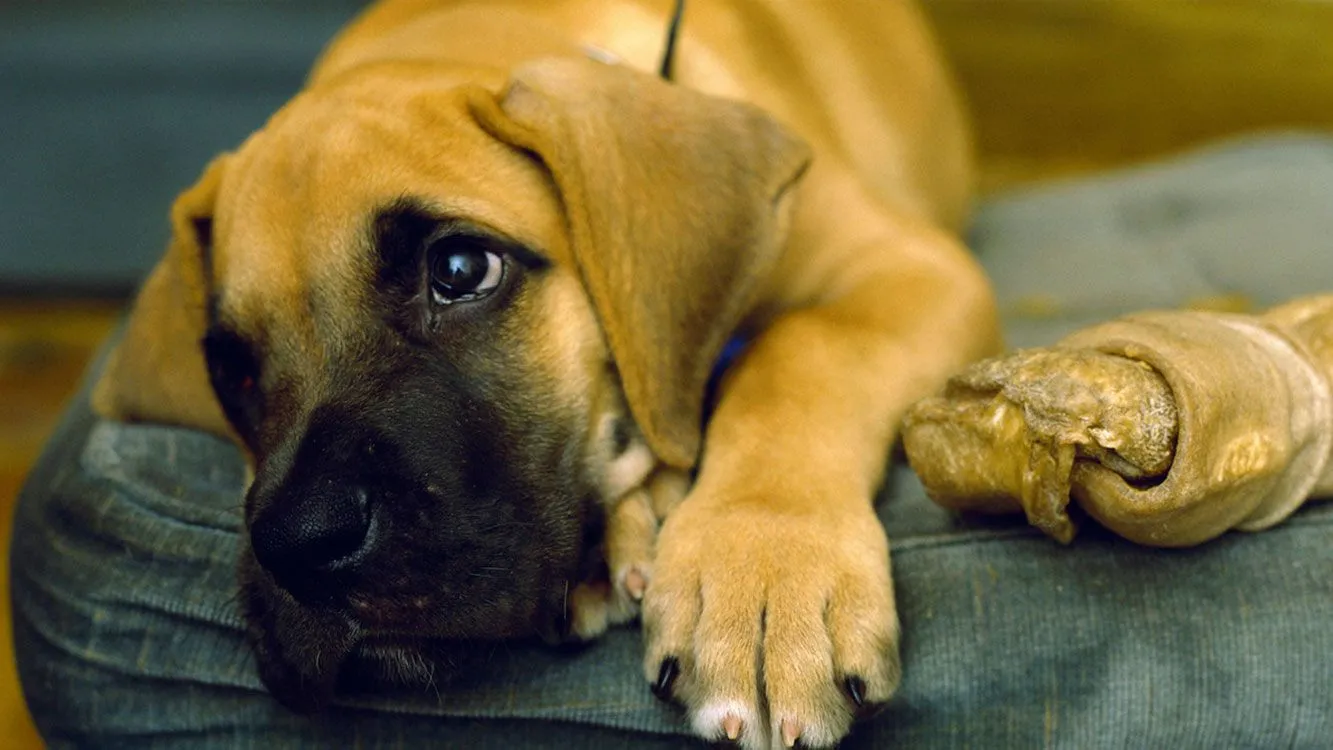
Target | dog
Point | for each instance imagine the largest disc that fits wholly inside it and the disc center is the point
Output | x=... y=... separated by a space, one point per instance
x=459 y=302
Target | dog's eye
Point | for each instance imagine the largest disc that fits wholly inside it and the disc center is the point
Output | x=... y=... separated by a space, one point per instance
x=233 y=371
x=462 y=269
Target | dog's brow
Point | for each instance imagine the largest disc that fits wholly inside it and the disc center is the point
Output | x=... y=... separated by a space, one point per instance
x=401 y=229
x=202 y=226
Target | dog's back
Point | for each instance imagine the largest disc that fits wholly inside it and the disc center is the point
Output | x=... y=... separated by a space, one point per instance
x=861 y=81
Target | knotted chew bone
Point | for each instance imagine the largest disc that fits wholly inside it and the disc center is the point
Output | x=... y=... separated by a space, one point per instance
x=1169 y=428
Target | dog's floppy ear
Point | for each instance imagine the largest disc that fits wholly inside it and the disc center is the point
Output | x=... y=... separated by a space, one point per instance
x=157 y=372
x=673 y=200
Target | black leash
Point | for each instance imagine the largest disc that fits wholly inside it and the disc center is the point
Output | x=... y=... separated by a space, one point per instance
x=673 y=31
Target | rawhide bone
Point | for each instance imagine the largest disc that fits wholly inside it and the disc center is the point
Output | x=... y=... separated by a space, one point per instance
x=1169 y=428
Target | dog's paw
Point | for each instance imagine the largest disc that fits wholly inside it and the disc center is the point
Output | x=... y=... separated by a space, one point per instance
x=630 y=544
x=772 y=626
x=631 y=533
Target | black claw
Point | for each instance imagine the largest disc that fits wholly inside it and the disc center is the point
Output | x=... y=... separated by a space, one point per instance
x=666 y=677
x=856 y=687
x=856 y=690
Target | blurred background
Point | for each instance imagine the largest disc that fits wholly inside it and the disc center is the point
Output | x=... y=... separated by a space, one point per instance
x=109 y=108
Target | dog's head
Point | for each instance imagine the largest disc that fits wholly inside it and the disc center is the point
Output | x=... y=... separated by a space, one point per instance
x=447 y=322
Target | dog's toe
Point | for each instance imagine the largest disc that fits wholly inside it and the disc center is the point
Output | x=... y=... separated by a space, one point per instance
x=671 y=608
x=634 y=582
x=799 y=677
x=631 y=534
x=589 y=610
x=779 y=638
x=724 y=695
x=631 y=538
x=863 y=625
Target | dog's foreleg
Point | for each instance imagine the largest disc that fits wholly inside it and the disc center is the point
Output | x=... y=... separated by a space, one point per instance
x=771 y=611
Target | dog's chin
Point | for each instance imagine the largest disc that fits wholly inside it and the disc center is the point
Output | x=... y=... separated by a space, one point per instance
x=307 y=653
x=299 y=651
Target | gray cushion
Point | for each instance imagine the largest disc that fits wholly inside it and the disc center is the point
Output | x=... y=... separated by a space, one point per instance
x=1251 y=218
x=127 y=630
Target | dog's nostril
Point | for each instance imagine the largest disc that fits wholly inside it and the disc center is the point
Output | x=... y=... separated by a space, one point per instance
x=312 y=532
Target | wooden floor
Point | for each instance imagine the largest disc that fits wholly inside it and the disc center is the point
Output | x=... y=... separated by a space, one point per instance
x=1058 y=87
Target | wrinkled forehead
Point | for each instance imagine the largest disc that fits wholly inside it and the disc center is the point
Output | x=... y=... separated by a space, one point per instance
x=295 y=258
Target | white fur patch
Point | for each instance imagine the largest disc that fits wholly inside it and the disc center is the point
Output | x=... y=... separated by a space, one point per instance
x=606 y=57
x=628 y=470
x=813 y=734
x=707 y=723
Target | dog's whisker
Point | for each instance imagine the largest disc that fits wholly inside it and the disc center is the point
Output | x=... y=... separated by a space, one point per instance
x=564 y=608
x=507 y=526
x=435 y=688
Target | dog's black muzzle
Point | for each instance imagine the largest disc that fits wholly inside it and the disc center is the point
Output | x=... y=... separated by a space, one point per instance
x=421 y=527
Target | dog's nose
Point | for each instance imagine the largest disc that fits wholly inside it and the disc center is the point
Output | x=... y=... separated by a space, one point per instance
x=312 y=534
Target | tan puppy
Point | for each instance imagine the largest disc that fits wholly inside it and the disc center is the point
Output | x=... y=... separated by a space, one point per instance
x=461 y=297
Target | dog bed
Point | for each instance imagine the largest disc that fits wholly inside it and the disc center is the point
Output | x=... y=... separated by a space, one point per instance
x=127 y=631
